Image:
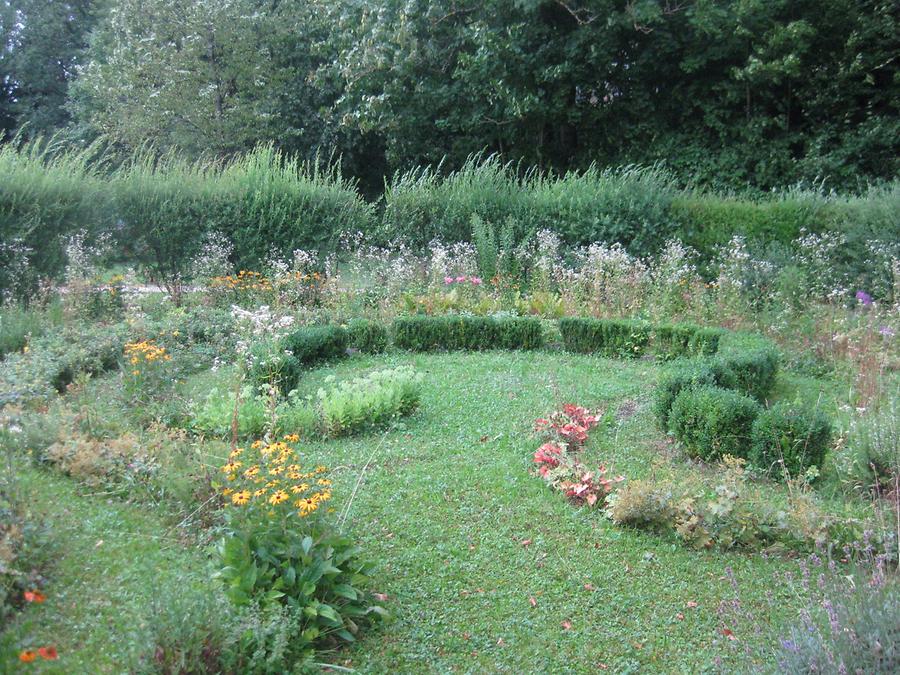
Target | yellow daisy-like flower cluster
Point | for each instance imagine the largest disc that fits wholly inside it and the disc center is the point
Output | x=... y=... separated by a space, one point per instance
x=145 y=352
x=245 y=280
x=270 y=475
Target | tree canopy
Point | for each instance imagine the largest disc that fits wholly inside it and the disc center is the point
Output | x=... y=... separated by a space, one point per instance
x=729 y=93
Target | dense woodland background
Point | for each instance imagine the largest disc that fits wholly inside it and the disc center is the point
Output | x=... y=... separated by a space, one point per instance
x=743 y=95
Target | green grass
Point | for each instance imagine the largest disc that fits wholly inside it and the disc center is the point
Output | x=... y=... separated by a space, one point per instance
x=111 y=560
x=445 y=508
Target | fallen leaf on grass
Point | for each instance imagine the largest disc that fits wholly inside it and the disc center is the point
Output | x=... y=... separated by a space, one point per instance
x=381 y=597
x=691 y=604
x=532 y=601
x=526 y=542
x=567 y=625
x=729 y=634
x=679 y=616
x=589 y=587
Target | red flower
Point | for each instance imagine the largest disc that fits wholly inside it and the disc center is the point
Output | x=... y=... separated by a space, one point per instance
x=34 y=596
x=48 y=653
x=27 y=656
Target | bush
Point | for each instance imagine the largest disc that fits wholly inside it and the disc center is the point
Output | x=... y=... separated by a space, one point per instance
x=754 y=371
x=18 y=325
x=874 y=445
x=369 y=401
x=314 y=344
x=367 y=336
x=791 y=435
x=673 y=382
x=711 y=422
x=215 y=414
x=53 y=361
x=609 y=337
x=282 y=371
x=452 y=332
x=681 y=339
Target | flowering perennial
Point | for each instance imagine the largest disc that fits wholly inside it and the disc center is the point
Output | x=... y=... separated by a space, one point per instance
x=270 y=475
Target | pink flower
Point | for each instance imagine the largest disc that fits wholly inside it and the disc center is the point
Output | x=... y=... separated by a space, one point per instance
x=448 y=280
x=476 y=281
x=461 y=279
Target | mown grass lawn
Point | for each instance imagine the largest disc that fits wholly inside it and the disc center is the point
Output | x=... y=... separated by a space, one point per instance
x=485 y=568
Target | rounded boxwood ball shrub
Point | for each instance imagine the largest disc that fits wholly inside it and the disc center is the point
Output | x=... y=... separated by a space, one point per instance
x=283 y=371
x=711 y=422
x=688 y=374
x=794 y=434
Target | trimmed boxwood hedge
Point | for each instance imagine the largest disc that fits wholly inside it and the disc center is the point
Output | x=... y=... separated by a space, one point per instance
x=367 y=336
x=313 y=344
x=712 y=422
x=453 y=332
x=684 y=339
x=609 y=337
x=794 y=434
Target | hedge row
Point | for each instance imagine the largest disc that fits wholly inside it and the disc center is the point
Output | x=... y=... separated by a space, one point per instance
x=427 y=333
x=631 y=338
x=712 y=422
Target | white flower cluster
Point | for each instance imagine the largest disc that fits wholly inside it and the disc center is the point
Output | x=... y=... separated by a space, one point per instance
x=213 y=259
x=258 y=324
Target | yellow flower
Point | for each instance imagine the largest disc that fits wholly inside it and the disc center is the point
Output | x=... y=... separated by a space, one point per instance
x=293 y=438
x=227 y=491
x=232 y=467
x=293 y=475
x=251 y=472
x=256 y=445
x=240 y=498
x=321 y=469
x=306 y=506
x=297 y=489
x=259 y=493
x=323 y=481
x=279 y=497
x=135 y=372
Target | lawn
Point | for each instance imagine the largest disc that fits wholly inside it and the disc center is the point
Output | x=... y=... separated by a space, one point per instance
x=485 y=569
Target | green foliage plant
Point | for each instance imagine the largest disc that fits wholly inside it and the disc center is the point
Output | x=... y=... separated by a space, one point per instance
x=788 y=439
x=711 y=422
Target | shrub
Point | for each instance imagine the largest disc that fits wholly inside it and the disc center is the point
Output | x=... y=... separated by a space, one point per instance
x=214 y=415
x=850 y=625
x=754 y=371
x=314 y=344
x=53 y=361
x=791 y=435
x=516 y=332
x=672 y=340
x=367 y=336
x=613 y=338
x=369 y=401
x=874 y=445
x=452 y=332
x=644 y=505
x=283 y=550
x=712 y=422
x=282 y=371
x=672 y=383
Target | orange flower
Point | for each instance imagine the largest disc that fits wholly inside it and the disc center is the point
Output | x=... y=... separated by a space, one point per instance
x=27 y=656
x=48 y=653
x=34 y=596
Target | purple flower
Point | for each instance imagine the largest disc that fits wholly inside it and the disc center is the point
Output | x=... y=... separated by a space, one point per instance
x=886 y=331
x=790 y=645
x=864 y=298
